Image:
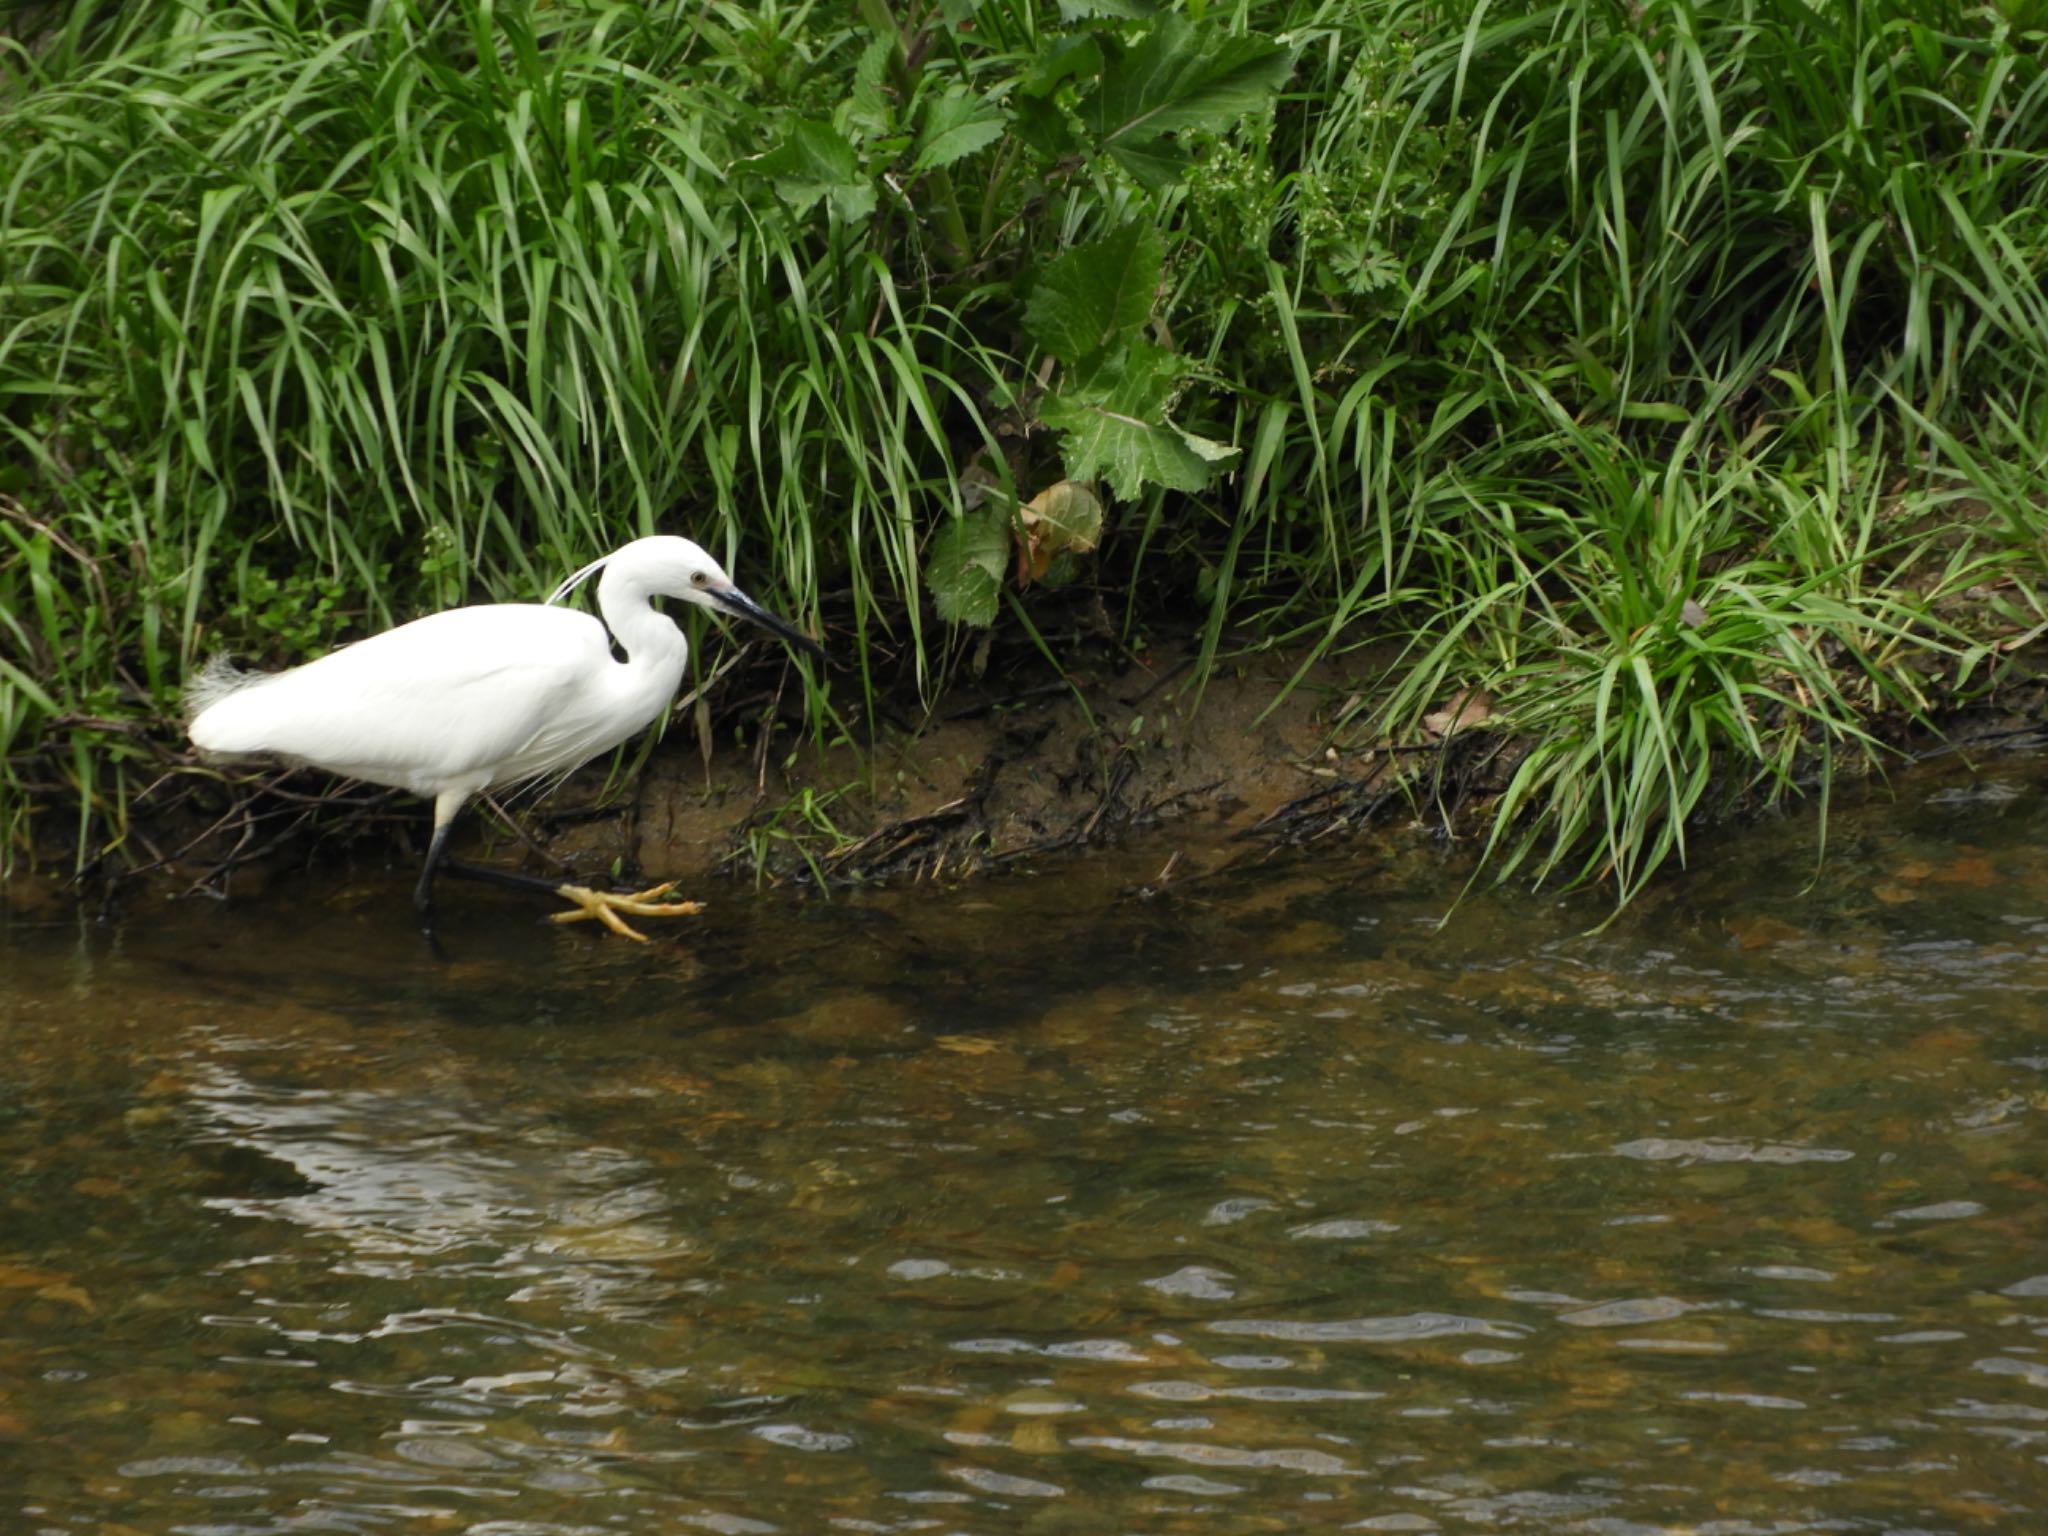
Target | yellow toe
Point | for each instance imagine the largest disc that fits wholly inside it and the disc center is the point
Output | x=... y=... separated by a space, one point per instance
x=605 y=907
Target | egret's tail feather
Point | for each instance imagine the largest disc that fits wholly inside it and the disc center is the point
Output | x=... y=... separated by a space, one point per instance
x=229 y=731
x=214 y=682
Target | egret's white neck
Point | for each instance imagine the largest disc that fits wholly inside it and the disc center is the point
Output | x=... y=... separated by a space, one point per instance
x=650 y=638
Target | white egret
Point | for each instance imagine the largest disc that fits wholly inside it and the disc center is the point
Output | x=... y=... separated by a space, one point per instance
x=499 y=693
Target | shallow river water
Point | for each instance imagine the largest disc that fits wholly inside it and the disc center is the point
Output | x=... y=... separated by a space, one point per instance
x=1265 y=1205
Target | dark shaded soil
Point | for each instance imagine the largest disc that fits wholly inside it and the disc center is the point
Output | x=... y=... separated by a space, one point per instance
x=993 y=777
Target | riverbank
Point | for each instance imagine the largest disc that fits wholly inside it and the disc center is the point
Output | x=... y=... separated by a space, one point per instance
x=1020 y=769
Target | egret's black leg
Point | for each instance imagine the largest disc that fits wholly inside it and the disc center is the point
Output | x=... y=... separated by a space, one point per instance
x=602 y=906
x=511 y=878
x=423 y=893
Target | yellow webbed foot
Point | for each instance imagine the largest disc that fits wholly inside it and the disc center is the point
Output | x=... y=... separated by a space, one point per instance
x=605 y=907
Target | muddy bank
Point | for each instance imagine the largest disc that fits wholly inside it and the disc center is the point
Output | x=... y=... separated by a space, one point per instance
x=1018 y=765
x=1022 y=767
x=1032 y=768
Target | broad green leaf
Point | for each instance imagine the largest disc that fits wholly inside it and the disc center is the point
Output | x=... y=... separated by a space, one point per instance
x=1126 y=451
x=852 y=203
x=955 y=126
x=817 y=161
x=870 y=108
x=1078 y=54
x=965 y=567
x=1042 y=126
x=1093 y=296
x=1179 y=77
x=1137 y=379
x=1208 y=449
x=1154 y=166
x=1113 y=415
x=815 y=155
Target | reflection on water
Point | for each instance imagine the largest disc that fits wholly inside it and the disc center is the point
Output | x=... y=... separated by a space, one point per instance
x=1265 y=1206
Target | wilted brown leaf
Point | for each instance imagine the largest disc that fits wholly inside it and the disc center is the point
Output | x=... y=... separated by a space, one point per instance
x=1460 y=712
x=1064 y=516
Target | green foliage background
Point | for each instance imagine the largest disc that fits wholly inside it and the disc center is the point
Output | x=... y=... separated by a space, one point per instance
x=1673 y=370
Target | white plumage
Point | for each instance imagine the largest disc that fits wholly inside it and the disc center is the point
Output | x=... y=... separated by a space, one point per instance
x=456 y=702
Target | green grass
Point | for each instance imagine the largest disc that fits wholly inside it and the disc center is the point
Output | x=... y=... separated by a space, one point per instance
x=1680 y=408
x=1669 y=370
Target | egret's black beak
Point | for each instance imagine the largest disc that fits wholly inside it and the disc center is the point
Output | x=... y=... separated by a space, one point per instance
x=735 y=602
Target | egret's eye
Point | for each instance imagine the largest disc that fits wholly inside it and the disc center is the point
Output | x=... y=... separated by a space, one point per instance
x=698 y=579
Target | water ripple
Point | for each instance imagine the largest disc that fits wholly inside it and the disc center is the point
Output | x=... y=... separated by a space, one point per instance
x=1369 y=1330
x=1286 y=1458
x=1714 y=1149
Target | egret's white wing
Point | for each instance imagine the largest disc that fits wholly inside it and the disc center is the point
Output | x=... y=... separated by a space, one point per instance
x=472 y=695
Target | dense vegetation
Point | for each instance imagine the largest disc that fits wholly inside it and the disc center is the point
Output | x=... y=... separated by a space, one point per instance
x=1671 y=370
